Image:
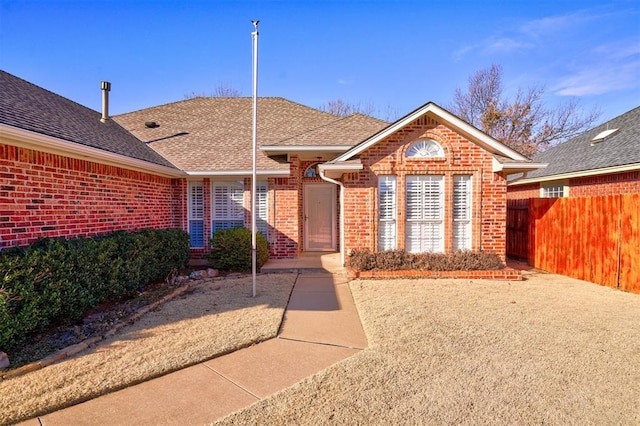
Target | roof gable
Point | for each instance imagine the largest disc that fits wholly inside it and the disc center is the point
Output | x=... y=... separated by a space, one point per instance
x=26 y=106
x=441 y=115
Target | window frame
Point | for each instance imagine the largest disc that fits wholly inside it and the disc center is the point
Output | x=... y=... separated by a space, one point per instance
x=465 y=222
x=424 y=149
x=195 y=214
x=387 y=216
x=262 y=208
x=228 y=215
x=554 y=190
x=428 y=219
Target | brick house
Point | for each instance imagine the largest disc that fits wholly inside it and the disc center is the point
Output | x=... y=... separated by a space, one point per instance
x=427 y=182
x=602 y=161
x=63 y=172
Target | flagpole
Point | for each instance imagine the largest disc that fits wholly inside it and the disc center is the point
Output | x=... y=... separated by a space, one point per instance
x=254 y=36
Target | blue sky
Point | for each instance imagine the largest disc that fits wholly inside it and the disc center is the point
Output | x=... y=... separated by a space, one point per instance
x=396 y=55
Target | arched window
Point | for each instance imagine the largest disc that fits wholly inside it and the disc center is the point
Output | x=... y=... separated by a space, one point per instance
x=425 y=148
x=312 y=171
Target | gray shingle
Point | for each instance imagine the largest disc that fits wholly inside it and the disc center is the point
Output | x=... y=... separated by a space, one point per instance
x=578 y=154
x=29 y=107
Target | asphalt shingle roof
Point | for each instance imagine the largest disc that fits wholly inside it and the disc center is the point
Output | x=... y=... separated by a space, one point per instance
x=27 y=106
x=215 y=134
x=578 y=154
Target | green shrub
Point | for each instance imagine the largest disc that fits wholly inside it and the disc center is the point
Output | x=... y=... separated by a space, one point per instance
x=396 y=260
x=231 y=250
x=57 y=280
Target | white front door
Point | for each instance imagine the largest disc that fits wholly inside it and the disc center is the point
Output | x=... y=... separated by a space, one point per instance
x=319 y=217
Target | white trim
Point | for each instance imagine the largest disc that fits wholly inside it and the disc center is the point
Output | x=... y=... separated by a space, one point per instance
x=582 y=173
x=516 y=167
x=38 y=141
x=333 y=170
x=476 y=135
x=236 y=173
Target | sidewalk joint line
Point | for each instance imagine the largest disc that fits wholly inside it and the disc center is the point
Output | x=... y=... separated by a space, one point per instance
x=335 y=345
x=232 y=382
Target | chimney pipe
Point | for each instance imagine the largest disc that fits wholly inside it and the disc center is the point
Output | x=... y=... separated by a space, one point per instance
x=106 y=87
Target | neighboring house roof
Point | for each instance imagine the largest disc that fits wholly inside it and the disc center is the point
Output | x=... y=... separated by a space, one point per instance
x=505 y=159
x=584 y=156
x=214 y=135
x=26 y=106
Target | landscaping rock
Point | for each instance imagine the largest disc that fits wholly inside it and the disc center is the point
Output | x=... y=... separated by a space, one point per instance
x=211 y=273
x=180 y=279
x=4 y=361
x=197 y=275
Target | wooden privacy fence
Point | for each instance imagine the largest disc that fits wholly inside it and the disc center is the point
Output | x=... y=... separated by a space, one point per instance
x=595 y=239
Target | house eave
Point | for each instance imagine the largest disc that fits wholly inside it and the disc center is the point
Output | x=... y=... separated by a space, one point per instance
x=306 y=152
x=237 y=173
x=577 y=174
x=509 y=168
x=336 y=170
x=37 y=141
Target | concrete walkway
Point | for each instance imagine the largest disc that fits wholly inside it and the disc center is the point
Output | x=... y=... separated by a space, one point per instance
x=321 y=327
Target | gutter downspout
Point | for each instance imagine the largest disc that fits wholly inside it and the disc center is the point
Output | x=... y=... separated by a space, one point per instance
x=340 y=184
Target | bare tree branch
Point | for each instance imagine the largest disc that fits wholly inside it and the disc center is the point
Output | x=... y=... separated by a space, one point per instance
x=342 y=108
x=222 y=90
x=522 y=123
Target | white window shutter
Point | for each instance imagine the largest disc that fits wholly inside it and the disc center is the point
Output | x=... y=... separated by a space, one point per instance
x=228 y=205
x=425 y=214
x=462 y=212
x=387 y=212
x=262 y=206
x=196 y=214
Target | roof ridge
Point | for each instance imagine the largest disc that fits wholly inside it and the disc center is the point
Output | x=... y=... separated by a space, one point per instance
x=325 y=125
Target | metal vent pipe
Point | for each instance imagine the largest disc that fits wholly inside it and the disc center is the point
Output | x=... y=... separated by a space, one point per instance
x=106 y=87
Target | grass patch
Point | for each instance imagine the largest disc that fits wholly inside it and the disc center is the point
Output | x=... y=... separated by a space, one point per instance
x=550 y=350
x=210 y=319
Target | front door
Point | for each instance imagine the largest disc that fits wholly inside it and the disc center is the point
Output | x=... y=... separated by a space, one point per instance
x=319 y=217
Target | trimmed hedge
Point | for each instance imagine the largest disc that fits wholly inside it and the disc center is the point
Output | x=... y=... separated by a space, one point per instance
x=399 y=260
x=231 y=250
x=58 y=280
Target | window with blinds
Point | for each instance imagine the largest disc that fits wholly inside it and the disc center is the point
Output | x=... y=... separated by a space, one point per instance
x=387 y=213
x=425 y=214
x=227 y=205
x=262 y=212
x=462 y=190
x=196 y=214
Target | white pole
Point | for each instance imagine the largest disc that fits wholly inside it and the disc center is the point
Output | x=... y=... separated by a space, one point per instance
x=254 y=36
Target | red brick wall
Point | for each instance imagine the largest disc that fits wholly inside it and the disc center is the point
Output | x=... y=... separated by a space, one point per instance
x=591 y=186
x=286 y=218
x=519 y=192
x=620 y=183
x=49 y=195
x=462 y=157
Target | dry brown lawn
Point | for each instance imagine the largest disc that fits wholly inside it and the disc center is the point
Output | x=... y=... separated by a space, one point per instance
x=211 y=319
x=549 y=350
